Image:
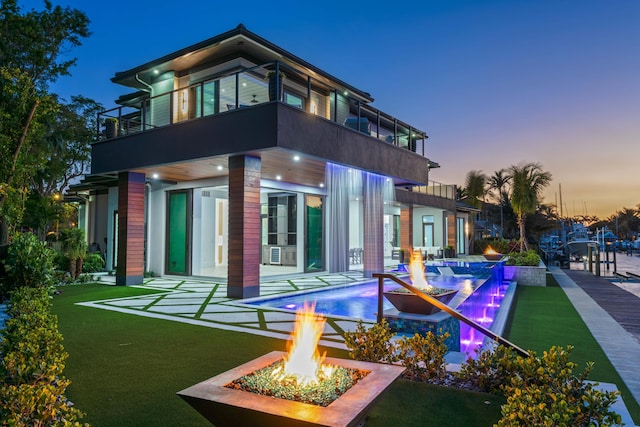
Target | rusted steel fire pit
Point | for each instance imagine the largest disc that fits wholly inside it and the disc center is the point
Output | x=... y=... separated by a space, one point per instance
x=225 y=406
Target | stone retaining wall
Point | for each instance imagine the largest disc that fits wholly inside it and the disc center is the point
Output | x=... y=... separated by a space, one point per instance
x=525 y=275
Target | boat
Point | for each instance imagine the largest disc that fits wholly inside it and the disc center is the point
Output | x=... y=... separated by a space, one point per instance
x=579 y=241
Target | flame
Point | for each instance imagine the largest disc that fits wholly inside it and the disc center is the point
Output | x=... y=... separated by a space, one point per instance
x=303 y=362
x=490 y=251
x=416 y=271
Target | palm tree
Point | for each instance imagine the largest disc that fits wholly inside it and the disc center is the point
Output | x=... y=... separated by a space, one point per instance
x=474 y=191
x=475 y=188
x=527 y=182
x=499 y=182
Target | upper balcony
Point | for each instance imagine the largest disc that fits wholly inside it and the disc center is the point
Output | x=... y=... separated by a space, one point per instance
x=270 y=82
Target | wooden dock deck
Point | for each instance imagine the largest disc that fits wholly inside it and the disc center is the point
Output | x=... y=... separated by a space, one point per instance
x=623 y=306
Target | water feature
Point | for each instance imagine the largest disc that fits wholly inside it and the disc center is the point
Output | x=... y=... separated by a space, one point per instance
x=480 y=292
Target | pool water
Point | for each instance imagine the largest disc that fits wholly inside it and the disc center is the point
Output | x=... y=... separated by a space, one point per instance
x=360 y=301
x=479 y=298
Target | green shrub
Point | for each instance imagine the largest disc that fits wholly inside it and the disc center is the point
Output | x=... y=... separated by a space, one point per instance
x=32 y=363
x=547 y=393
x=29 y=263
x=371 y=345
x=31 y=346
x=37 y=405
x=490 y=370
x=528 y=258
x=60 y=261
x=423 y=356
x=93 y=263
x=540 y=391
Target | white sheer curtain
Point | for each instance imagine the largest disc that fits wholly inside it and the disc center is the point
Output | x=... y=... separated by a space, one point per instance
x=377 y=190
x=343 y=184
x=339 y=186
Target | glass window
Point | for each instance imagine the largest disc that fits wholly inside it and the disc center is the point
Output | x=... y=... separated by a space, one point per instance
x=294 y=100
x=460 y=240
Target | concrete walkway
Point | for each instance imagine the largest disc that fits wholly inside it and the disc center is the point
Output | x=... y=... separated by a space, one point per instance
x=205 y=303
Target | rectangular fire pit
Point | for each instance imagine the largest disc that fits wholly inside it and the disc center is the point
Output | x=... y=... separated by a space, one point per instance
x=224 y=406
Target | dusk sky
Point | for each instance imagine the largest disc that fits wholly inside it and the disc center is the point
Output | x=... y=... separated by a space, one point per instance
x=493 y=83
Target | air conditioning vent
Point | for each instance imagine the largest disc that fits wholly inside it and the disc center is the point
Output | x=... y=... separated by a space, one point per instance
x=274 y=255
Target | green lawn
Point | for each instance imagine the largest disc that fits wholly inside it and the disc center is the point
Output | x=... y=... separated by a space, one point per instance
x=125 y=369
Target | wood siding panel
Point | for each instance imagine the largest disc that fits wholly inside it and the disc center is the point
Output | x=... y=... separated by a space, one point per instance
x=130 y=228
x=244 y=227
x=406 y=228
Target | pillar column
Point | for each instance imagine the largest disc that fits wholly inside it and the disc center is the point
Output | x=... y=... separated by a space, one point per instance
x=243 y=271
x=406 y=228
x=130 y=268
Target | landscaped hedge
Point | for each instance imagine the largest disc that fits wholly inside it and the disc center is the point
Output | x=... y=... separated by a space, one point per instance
x=31 y=364
x=540 y=390
x=527 y=258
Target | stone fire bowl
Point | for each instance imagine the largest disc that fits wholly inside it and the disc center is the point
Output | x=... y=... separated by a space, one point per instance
x=224 y=406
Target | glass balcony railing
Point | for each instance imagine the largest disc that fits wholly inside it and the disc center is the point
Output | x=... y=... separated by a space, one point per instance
x=272 y=82
x=446 y=191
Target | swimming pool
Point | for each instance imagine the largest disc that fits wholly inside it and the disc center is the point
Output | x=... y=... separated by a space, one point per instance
x=479 y=298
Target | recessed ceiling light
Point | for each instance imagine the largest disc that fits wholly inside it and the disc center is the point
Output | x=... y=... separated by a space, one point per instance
x=156 y=71
x=244 y=84
x=346 y=93
x=155 y=176
x=219 y=167
x=296 y=158
x=321 y=184
x=278 y=177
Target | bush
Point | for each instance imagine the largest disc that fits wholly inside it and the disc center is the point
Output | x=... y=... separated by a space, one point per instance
x=423 y=356
x=490 y=371
x=371 y=345
x=29 y=263
x=547 y=393
x=540 y=391
x=528 y=258
x=93 y=263
x=32 y=362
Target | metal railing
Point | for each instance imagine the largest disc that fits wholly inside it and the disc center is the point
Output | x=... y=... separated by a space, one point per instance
x=443 y=307
x=251 y=87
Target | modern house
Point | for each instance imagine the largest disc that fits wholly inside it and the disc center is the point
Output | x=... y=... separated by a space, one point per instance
x=234 y=158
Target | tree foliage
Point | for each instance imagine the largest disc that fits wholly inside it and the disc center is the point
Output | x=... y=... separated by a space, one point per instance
x=33 y=54
x=528 y=181
x=475 y=188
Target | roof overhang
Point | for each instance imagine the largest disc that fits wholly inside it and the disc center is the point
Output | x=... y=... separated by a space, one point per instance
x=238 y=42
